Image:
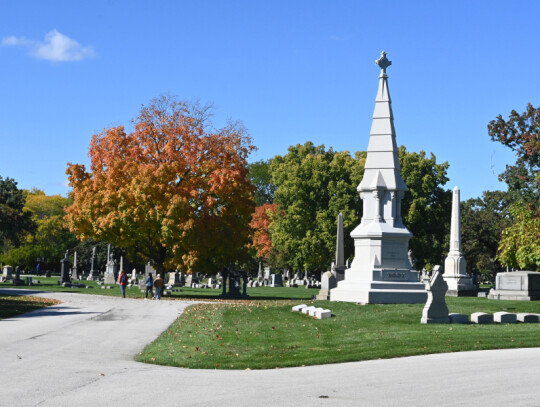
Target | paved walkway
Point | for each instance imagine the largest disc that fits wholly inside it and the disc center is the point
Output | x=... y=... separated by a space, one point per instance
x=80 y=353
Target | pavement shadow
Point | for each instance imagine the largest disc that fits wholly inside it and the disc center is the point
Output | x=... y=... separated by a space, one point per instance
x=54 y=311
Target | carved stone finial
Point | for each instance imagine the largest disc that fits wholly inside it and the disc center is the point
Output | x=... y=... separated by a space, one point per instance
x=383 y=62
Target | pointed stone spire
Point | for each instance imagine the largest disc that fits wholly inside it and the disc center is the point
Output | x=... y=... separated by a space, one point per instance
x=455 y=266
x=382 y=153
x=455 y=225
x=340 y=252
x=381 y=272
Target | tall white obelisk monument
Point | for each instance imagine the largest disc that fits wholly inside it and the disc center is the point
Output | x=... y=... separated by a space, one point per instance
x=455 y=274
x=380 y=272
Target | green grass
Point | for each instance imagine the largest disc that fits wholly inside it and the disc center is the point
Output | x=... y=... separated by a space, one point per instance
x=259 y=335
x=259 y=293
x=13 y=305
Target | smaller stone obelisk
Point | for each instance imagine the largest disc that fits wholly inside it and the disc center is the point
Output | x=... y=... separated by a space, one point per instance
x=339 y=271
x=455 y=273
x=94 y=272
x=74 y=270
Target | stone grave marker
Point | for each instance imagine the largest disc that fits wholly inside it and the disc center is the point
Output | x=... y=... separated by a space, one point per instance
x=436 y=311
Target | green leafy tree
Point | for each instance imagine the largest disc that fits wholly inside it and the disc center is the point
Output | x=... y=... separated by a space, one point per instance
x=261 y=177
x=426 y=208
x=50 y=238
x=521 y=133
x=313 y=186
x=15 y=221
x=520 y=243
x=482 y=222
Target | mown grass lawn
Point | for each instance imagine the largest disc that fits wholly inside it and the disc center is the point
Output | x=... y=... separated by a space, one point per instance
x=266 y=334
x=13 y=305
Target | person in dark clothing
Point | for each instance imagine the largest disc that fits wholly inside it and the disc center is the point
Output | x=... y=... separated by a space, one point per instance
x=149 y=286
x=123 y=281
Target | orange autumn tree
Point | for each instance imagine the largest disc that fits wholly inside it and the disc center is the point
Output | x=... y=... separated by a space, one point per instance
x=260 y=230
x=174 y=191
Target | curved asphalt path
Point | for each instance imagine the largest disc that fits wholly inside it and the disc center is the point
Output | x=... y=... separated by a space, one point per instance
x=80 y=353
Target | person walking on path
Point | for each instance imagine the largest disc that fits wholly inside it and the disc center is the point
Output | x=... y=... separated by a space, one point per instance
x=149 y=286
x=123 y=281
x=158 y=283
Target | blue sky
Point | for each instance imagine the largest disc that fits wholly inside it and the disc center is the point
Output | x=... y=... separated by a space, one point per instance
x=292 y=71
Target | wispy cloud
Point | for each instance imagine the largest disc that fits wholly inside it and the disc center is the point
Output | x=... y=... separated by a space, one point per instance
x=55 y=47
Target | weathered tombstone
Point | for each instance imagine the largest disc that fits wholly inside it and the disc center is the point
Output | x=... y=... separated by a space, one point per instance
x=328 y=281
x=237 y=288
x=516 y=285
x=17 y=279
x=189 y=280
x=436 y=311
x=7 y=273
x=94 y=272
x=267 y=273
x=260 y=275
x=276 y=280
x=74 y=269
x=174 y=278
x=455 y=273
x=111 y=272
x=380 y=272
x=133 y=279
x=64 y=270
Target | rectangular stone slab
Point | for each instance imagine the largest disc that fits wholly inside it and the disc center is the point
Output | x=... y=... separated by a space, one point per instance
x=527 y=318
x=458 y=318
x=504 y=317
x=323 y=313
x=306 y=310
x=312 y=312
x=298 y=308
x=481 y=318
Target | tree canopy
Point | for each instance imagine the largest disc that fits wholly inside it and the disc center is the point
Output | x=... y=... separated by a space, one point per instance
x=314 y=184
x=174 y=191
x=426 y=207
x=15 y=221
x=261 y=178
x=482 y=222
x=520 y=243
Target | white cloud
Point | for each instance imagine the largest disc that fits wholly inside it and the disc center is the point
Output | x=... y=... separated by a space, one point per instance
x=55 y=47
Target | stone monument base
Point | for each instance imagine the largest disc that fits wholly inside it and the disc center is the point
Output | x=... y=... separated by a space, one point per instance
x=109 y=278
x=443 y=320
x=511 y=295
x=516 y=285
x=460 y=286
x=323 y=295
x=462 y=293
x=380 y=292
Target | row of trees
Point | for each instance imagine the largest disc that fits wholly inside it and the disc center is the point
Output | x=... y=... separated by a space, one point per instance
x=179 y=193
x=309 y=186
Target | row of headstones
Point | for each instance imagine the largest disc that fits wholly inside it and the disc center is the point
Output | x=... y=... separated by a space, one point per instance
x=503 y=318
x=273 y=280
x=316 y=312
x=307 y=283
